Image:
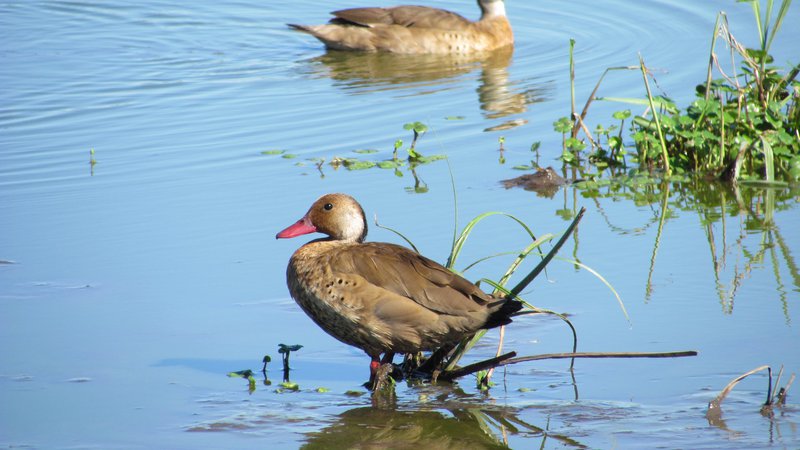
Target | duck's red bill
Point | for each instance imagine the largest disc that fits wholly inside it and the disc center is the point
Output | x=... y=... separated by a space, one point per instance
x=301 y=227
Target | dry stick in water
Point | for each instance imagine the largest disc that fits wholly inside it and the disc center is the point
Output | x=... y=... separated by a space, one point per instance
x=509 y=358
x=497 y=354
x=714 y=412
x=679 y=354
x=784 y=391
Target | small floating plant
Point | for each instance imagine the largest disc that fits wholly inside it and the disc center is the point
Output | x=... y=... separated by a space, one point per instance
x=363 y=159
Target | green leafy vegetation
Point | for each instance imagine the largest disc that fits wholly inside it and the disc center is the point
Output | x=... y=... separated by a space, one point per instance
x=92 y=162
x=409 y=162
x=248 y=375
x=285 y=351
x=744 y=123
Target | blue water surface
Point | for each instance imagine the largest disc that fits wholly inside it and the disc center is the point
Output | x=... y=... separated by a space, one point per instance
x=150 y=151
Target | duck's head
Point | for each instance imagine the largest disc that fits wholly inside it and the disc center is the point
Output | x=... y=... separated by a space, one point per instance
x=337 y=215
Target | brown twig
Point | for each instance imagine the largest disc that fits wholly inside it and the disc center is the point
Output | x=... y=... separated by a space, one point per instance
x=586 y=131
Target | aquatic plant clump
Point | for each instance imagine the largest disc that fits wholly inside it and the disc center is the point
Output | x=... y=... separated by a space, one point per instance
x=744 y=124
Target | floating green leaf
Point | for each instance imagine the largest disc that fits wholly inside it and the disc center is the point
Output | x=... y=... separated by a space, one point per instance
x=357 y=164
x=391 y=164
x=283 y=348
x=289 y=385
x=247 y=373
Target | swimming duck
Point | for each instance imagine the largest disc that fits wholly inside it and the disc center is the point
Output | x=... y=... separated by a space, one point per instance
x=382 y=298
x=414 y=30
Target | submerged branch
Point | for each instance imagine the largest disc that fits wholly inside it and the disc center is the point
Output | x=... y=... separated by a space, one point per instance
x=510 y=358
x=450 y=375
x=678 y=354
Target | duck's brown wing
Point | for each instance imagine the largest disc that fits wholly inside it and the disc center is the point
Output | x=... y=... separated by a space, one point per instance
x=406 y=273
x=405 y=16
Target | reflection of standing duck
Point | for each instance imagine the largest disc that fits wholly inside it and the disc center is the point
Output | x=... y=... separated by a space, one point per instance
x=415 y=30
x=382 y=298
x=445 y=428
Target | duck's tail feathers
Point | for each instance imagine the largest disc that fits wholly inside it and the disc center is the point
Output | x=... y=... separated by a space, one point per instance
x=303 y=28
x=502 y=315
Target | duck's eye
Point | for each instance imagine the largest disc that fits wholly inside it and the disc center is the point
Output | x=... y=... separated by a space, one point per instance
x=328 y=206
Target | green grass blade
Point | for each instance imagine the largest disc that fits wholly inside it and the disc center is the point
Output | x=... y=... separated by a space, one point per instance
x=455 y=205
x=654 y=111
x=459 y=244
x=397 y=233
x=522 y=255
x=604 y=281
x=572 y=83
x=766 y=20
x=462 y=348
x=782 y=11
x=757 y=14
x=480 y=260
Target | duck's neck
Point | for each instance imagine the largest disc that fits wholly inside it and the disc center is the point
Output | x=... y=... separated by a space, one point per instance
x=354 y=229
x=492 y=8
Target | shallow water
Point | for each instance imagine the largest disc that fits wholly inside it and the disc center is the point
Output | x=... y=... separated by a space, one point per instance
x=129 y=288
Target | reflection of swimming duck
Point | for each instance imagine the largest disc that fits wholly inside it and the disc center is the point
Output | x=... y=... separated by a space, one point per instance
x=415 y=29
x=380 y=297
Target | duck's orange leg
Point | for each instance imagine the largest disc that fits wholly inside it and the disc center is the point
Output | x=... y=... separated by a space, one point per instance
x=374 y=365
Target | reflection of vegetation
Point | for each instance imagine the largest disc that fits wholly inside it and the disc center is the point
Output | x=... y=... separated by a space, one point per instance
x=755 y=208
x=751 y=207
x=745 y=125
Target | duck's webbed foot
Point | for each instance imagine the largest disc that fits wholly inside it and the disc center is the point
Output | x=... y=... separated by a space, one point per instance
x=383 y=373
